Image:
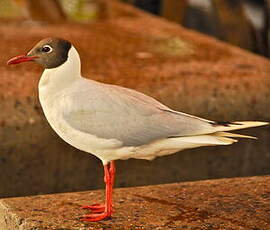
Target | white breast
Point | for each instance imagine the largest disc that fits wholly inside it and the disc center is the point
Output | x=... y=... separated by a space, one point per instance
x=54 y=88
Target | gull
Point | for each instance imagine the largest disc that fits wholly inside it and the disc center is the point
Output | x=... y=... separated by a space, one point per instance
x=113 y=122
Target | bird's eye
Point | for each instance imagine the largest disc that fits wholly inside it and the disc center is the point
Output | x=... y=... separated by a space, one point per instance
x=46 y=49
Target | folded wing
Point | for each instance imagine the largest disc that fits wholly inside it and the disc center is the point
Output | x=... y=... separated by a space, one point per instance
x=114 y=112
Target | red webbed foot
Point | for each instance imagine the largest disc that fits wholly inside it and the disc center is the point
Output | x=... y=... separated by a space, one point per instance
x=95 y=208
x=96 y=217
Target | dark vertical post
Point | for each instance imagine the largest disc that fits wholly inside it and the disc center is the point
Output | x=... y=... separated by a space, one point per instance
x=234 y=25
x=45 y=10
x=266 y=29
x=174 y=10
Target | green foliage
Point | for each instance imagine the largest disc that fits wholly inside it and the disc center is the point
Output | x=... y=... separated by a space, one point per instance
x=8 y=9
x=77 y=10
x=80 y=10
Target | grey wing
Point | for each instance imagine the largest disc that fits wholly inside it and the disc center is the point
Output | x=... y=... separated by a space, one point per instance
x=114 y=112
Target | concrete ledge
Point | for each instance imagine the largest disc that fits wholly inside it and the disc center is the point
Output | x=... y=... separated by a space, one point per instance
x=237 y=203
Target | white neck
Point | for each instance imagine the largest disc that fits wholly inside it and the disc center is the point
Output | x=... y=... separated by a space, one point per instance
x=56 y=79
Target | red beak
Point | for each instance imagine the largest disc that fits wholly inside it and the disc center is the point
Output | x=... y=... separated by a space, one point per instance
x=20 y=58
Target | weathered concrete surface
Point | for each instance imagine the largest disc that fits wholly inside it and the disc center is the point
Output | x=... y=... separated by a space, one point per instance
x=238 y=203
x=186 y=70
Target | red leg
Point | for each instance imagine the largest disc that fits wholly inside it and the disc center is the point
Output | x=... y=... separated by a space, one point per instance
x=101 y=212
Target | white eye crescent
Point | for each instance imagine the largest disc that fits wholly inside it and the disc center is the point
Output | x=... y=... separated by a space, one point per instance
x=46 y=49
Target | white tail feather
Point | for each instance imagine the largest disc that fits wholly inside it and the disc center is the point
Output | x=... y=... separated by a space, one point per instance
x=204 y=140
x=217 y=138
x=226 y=134
x=220 y=137
x=240 y=125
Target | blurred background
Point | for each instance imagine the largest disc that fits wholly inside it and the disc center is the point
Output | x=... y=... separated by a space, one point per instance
x=163 y=58
x=244 y=23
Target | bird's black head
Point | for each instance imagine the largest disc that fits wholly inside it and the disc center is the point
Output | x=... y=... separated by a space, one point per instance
x=49 y=52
